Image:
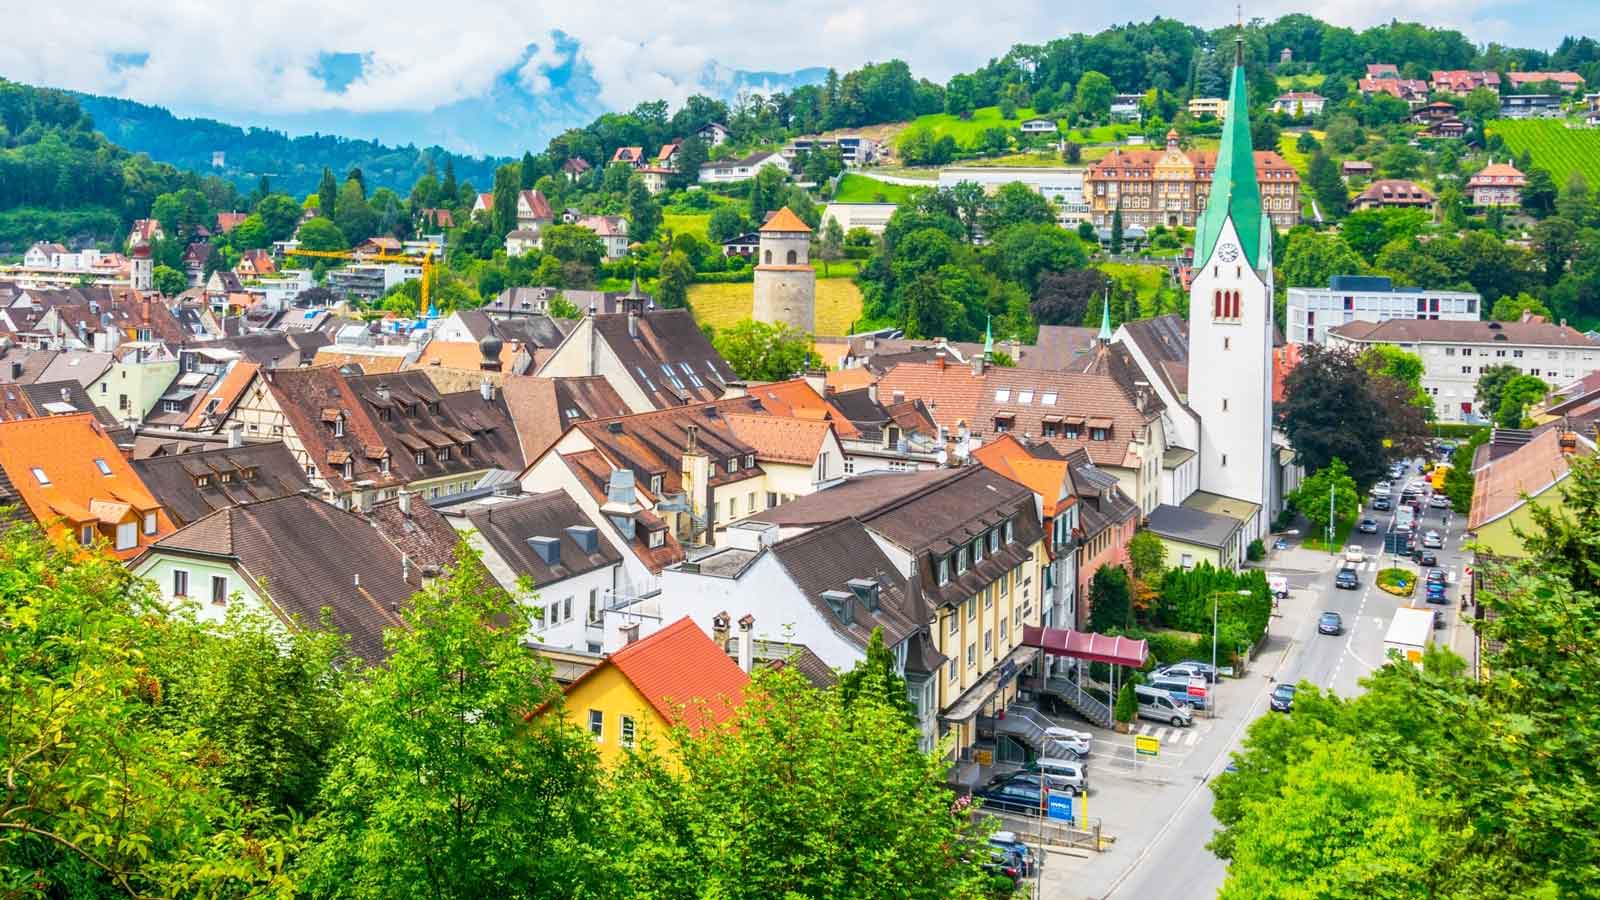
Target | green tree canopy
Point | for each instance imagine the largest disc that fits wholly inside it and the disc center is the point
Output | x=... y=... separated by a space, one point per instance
x=758 y=351
x=1329 y=483
x=321 y=234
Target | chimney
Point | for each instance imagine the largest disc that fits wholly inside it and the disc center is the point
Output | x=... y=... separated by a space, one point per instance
x=364 y=503
x=746 y=643
x=828 y=390
x=977 y=364
x=872 y=392
x=66 y=395
x=693 y=446
x=486 y=390
x=356 y=579
x=633 y=323
x=938 y=359
x=898 y=396
x=869 y=345
x=405 y=503
x=630 y=633
x=236 y=435
x=719 y=629
x=1569 y=443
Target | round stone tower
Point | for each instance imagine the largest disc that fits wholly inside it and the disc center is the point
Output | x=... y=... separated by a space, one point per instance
x=785 y=283
x=141 y=267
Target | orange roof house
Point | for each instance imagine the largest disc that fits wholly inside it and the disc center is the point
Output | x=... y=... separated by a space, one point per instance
x=69 y=476
x=677 y=676
x=1049 y=478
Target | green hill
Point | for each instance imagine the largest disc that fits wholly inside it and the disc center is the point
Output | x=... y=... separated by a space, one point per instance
x=1556 y=148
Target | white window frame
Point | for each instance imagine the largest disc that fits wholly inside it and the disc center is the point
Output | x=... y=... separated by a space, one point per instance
x=626 y=732
x=180 y=582
x=597 y=725
x=219 y=598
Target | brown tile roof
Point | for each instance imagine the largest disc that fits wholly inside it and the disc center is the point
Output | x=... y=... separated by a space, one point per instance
x=1530 y=470
x=667 y=337
x=1395 y=191
x=422 y=534
x=682 y=673
x=507 y=526
x=194 y=485
x=1485 y=175
x=226 y=391
x=309 y=555
x=70 y=451
x=537 y=203
x=781 y=439
x=654 y=443
x=411 y=416
x=594 y=473
x=369 y=363
x=304 y=395
x=1024 y=398
x=1412 y=331
x=829 y=558
x=542 y=409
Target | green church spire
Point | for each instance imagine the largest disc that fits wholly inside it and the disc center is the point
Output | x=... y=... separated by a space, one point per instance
x=988 y=336
x=1105 y=319
x=1234 y=192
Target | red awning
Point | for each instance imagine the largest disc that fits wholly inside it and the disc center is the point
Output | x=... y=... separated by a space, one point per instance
x=1118 y=651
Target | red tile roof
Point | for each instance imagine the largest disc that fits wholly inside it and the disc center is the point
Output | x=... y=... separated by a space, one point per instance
x=1531 y=469
x=799 y=399
x=780 y=439
x=682 y=673
x=786 y=220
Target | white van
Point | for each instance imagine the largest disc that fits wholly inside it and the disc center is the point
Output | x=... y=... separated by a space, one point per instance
x=1157 y=704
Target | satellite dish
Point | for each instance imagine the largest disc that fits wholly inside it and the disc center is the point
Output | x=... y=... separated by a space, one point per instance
x=943 y=457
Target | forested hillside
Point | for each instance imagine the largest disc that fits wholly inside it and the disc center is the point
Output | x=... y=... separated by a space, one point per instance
x=59 y=180
x=294 y=164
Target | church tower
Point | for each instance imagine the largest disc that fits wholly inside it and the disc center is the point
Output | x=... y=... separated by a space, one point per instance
x=1230 y=320
x=785 y=283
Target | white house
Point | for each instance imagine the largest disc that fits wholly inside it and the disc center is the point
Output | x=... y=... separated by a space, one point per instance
x=1299 y=103
x=613 y=233
x=714 y=134
x=1039 y=126
x=728 y=170
x=1369 y=298
x=520 y=241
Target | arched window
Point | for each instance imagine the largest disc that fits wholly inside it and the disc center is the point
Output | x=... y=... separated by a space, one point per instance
x=766 y=257
x=793 y=258
x=1216 y=304
x=1236 y=304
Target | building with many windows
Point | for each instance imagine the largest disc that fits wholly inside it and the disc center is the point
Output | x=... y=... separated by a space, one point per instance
x=1169 y=187
x=1369 y=298
x=1455 y=353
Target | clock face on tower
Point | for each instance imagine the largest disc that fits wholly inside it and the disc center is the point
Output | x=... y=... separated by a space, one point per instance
x=1228 y=252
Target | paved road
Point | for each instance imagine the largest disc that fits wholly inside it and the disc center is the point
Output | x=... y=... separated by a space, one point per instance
x=1161 y=813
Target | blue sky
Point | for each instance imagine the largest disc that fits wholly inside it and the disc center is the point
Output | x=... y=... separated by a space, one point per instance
x=308 y=59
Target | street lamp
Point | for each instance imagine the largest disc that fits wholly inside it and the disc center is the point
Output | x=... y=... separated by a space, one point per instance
x=1216 y=599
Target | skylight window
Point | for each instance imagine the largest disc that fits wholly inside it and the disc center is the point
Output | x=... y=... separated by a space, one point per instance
x=645 y=377
x=1025 y=397
x=41 y=477
x=1003 y=395
x=1048 y=398
x=104 y=468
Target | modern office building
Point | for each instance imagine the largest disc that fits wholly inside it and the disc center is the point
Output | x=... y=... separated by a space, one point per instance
x=1366 y=298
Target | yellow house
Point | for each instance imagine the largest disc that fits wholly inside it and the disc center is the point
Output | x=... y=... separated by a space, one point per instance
x=677 y=675
x=1505 y=491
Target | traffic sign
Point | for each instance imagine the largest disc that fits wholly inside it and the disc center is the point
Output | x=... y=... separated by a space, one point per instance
x=1147 y=745
x=1197 y=686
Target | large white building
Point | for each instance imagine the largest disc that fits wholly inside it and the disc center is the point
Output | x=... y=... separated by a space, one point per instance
x=1063 y=187
x=1455 y=354
x=1366 y=298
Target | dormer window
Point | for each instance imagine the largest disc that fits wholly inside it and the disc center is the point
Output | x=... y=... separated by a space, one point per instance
x=944 y=570
x=749 y=460
x=226 y=477
x=655 y=485
x=422 y=457
x=338 y=427
x=444 y=454
x=202 y=481
x=977 y=550
x=349 y=470
x=994 y=541
x=383 y=465
x=961 y=559
x=86 y=535
x=1098 y=434
x=657 y=538
x=733 y=464
x=248 y=474
x=1007 y=528
x=149 y=523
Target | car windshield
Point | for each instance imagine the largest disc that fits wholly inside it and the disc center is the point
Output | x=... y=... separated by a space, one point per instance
x=1284 y=690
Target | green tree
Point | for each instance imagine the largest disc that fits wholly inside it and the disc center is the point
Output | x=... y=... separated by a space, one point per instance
x=766 y=192
x=321 y=234
x=1022 y=253
x=1539 y=193
x=672 y=287
x=572 y=243
x=1332 y=410
x=355 y=218
x=169 y=281
x=503 y=215
x=1015 y=204
x=1389 y=361
x=1310 y=259
x=1147 y=554
x=831 y=247
x=644 y=213
x=327 y=194
x=1519 y=393
x=442 y=787
x=1127 y=704
x=726 y=223
x=251 y=233
x=1556 y=240
x=1482 y=104
x=1458 y=482
x=1110 y=599
x=1510 y=309
x=280 y=214
x=1323 y=179
x=1368 y=230
x=1312 y=497
x=876 y=677
x=759 y=351
x=1094 y=95
x=1491 y=386
x=1116 y=229
x=562 y=308
x=527 y=172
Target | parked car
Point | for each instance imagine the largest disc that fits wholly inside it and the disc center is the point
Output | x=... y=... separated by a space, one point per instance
x=1439 y=501
x=1177 y=689
x=1159 y=705
x=1368 y=526
x=1186 y=669
x=1063 y=776
x=1382 y=504
x=1346 y=579
x=1282 y=698
x=1280 y=544
x=1004 y=862
x=1354 y=554
x=1427 y=558
x=1330 y=623
x=1382 y=487
x=1065 y=742
x=1007 y=840
x=1436 y=595
x=1432 y=541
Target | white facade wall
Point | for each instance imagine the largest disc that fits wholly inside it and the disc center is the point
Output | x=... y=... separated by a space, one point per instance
x=1312 y=311
x=1230 y=365
x=161 y=569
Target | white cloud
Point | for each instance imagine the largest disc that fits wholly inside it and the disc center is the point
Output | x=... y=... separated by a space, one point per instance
x=244 y=56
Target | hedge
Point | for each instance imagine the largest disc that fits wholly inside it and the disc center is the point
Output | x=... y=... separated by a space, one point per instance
x=742 y=276
x=1456 y=429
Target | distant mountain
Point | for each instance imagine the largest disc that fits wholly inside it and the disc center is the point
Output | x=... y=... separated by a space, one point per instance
x=479 y=132
x=294 y=164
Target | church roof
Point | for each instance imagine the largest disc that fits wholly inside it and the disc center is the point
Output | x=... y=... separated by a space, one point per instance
x=1234 y=192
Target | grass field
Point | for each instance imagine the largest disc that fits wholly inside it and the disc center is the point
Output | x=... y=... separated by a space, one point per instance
x=725 y=305
x=966 y=131
x=1046 y=160
x=1103 y=134
x=1300 y=82
x=1291 y=155
x=1555 y=147
x=855 y=188
x=687 y=224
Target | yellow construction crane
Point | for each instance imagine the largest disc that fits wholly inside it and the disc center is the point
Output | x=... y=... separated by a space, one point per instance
x=427 y=264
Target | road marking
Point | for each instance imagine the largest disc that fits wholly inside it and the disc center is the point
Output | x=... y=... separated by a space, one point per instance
x=1190 y=738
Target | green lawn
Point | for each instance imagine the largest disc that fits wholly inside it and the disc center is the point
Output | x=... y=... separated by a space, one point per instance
x=687 y=224
x=1103 y=134
x=855 y=188
x=1036 y=160
x=1291 y=155
x=966 y=131
x=1341 y=533
x=726 y=305
x=1300 y=82
x=1148 y=279
x=1555 y=147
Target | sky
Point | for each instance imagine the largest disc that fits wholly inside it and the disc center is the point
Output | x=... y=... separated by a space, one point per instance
x=236 y=59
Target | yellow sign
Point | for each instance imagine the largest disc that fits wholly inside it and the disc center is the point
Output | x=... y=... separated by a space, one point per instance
x=985 y=757
x=1147 y=745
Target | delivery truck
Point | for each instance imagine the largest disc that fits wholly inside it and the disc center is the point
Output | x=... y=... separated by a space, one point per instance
x=1409 y=633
